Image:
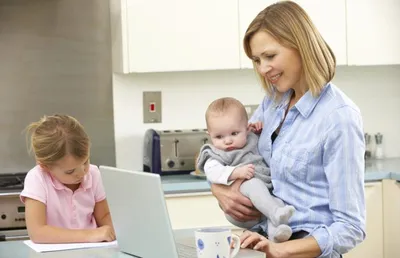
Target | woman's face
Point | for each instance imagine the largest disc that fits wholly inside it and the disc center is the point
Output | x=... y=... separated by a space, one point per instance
x=279 y=65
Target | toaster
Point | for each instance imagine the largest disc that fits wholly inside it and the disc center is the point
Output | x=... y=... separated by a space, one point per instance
x=168 y=152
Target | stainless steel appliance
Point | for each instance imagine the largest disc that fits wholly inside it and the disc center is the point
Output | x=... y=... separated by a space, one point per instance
x=12 y=210
x=169 y=152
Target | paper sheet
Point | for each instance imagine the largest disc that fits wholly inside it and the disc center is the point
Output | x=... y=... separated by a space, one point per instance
x=59 y=247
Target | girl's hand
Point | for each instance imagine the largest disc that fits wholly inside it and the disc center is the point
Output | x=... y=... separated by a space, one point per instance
x=255 y=127
x=258 y=242
x=103 y=234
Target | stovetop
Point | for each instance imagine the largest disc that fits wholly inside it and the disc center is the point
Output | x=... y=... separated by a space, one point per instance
x=12 y=182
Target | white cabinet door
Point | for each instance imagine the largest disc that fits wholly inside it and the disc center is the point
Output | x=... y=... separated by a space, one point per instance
x=373 y=33
x=372 y=247
x=181 y=35
x=329 y=17
x=195 y=210
x=391 y=213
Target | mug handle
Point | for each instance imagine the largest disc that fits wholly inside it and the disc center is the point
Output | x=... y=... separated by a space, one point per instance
x=235 y=250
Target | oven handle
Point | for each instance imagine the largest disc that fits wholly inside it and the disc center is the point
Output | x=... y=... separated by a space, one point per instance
x=13 y=238
x=12 y=194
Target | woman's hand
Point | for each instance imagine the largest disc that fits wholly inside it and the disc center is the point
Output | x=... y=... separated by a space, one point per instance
x=234 y=203
x=258 y=242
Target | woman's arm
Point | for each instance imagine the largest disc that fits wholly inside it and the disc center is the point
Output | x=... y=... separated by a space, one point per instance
x=40 y=232
x=306 y=247
x=343 y=160
x=234 y=203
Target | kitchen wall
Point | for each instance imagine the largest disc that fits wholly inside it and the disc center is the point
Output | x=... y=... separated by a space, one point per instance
x=55 y=57
x=186 y=95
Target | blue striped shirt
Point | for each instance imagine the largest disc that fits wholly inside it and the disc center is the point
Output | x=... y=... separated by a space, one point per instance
x=317 y=165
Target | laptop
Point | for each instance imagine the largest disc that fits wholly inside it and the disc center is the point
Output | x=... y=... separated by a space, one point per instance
x=140 y=216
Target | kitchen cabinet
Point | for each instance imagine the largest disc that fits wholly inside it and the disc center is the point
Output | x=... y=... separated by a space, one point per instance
x=372 y=246
x=391 y=211
x=373 y=34
x=194 y=210
x=174 y=35
x=329 y=17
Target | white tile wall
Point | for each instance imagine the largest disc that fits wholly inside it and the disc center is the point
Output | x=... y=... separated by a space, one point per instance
x=186 y=95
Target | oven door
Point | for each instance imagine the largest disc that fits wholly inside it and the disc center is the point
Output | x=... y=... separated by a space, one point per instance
x=12 y=217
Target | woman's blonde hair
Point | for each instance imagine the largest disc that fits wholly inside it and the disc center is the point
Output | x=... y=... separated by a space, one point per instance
x=290 y=25
x=53 y=137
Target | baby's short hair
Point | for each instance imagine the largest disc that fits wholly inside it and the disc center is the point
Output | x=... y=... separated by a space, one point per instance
x=222 y=105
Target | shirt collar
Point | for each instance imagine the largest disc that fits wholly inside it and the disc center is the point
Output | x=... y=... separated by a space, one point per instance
x=85 y=184
x=307 y=102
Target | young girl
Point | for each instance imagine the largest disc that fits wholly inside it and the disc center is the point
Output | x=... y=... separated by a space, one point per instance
x=63 y=194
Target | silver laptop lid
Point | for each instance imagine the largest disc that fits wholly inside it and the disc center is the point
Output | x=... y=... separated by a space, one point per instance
x=139 y=213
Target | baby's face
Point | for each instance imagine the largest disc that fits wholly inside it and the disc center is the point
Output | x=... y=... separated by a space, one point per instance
x=228 y=131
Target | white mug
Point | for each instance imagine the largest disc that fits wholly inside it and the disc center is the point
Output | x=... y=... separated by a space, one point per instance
x=216 y=242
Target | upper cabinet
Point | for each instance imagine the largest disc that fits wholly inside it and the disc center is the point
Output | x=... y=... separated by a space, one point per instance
x=182 y=35
x=373 y=34
x=174 y=35
x=329 y=17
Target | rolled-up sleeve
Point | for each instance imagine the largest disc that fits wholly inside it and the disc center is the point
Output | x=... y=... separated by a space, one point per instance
x=344 y=168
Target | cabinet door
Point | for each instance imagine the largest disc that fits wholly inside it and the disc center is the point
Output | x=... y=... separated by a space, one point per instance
x=181 y=35
x=195 y=211
x=373 y=33
x=391 y=212
x=329 y=17
x=372 y=247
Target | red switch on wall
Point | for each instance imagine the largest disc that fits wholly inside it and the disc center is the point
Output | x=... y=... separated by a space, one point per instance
x=152 y=107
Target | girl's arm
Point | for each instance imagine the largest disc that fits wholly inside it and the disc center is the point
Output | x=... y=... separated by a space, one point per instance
x=102 y=214
x=40 y=232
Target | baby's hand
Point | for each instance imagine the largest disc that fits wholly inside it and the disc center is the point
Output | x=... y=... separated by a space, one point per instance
x=103 y=234
x=245 y=172
x=255 y=127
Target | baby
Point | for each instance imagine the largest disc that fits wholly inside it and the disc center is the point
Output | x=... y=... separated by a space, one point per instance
x=233 y=155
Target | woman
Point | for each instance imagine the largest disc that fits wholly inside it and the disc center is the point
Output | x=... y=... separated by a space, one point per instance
x=312 y=139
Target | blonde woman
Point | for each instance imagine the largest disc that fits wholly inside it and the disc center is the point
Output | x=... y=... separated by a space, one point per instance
x=63 y=194
x=312 y=139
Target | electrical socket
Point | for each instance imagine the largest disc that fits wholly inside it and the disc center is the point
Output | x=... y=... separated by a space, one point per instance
x=250 y=109
x=152 y=107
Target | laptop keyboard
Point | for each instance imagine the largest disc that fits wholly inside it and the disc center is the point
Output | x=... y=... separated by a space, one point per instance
x=185 y=251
